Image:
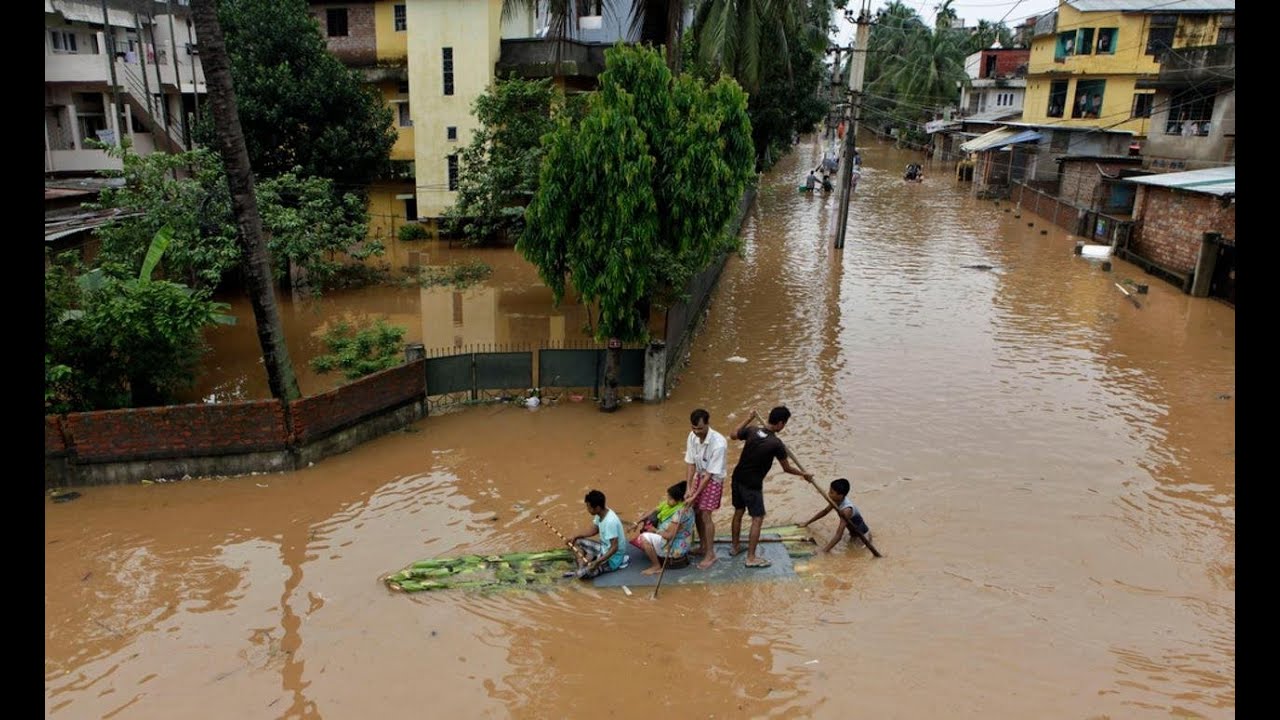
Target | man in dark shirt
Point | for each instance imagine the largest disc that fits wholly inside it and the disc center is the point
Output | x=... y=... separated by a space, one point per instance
x=761 y=447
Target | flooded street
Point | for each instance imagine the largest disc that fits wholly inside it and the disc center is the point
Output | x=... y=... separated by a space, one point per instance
x=1048 y=470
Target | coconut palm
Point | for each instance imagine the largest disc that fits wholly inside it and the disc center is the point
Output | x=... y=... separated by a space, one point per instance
x=733 y=34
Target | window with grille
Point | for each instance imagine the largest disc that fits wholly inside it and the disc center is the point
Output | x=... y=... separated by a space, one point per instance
x=402 y=21
x=1160 y=37
x=447 y=56
x=453 y=173
x=336 y=22
x=1142 y=105
x=1190 y=112
x=1107 y=41
x=1057 y=98
x=406 y=118
x=451 y=133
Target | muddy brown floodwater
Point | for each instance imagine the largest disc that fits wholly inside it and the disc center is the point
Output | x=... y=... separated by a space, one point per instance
x=1048 y=470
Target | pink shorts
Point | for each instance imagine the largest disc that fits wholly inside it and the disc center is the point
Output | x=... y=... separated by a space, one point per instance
x=709 y=498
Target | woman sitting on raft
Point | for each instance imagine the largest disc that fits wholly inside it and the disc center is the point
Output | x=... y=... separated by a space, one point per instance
x=666 y=532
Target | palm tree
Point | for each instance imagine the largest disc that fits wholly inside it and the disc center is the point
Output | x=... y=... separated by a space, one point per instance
x=988 y=33
x=733 y=34
x=235 y=156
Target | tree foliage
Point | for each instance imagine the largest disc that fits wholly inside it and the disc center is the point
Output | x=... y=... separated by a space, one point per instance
x=300 y=107
x=788 y=98
x=114 y=341
x=913 y=72
x=498 y=170
x=306 y=220
x=635 y=199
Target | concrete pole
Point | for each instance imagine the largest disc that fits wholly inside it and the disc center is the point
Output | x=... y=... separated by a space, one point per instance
x=857 y=66
x=177 y=76
x=110 y=37
x=1205 y=264
x=142 y=59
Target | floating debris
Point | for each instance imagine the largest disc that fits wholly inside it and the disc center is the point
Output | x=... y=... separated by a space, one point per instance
x=736 y=358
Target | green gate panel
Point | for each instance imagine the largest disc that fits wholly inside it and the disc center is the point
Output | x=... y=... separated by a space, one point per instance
x=569 y=368
x=449 y=374
x=504 y=370
x=631 y=374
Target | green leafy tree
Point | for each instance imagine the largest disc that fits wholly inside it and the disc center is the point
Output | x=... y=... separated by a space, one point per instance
x=308 y=223
x=116 y=341
x=360 y=351
x=499 y=168
x=634 y=200
x=299 y=106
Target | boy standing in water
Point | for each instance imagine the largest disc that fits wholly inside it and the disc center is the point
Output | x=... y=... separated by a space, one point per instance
x=839 y=494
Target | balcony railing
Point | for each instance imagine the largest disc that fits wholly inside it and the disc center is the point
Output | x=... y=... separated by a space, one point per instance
x=1203 y=65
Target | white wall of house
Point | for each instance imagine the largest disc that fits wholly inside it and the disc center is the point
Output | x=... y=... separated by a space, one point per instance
x=78 y=81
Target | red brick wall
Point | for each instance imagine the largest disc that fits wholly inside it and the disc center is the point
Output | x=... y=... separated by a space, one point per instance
x=1007 y=61
x=359 y=47
x=1080 y=180
x=176 y=431
x=1174 y=223
x=54 y=442
x=319 y=414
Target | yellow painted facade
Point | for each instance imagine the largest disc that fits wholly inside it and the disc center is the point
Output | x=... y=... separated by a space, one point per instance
x=1100 y=56
x=403 y=149
x=392 y=44
x=471 y=30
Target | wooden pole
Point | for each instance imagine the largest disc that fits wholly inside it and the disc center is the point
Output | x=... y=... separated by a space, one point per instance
x=576 y=550
x=847 y=521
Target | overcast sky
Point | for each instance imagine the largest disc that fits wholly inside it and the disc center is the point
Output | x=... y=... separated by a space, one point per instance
x=971 y=11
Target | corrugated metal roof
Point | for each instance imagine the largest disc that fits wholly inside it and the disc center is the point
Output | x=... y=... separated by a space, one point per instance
x=1213 y=181
x=92 y=14
x=992 y=115
x=997 y=138
x=1153 y=6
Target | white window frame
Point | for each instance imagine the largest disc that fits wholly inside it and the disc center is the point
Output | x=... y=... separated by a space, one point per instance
x=403 y=110
x=67 y=38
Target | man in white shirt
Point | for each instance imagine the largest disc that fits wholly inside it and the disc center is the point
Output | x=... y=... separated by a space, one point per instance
x=704 y=458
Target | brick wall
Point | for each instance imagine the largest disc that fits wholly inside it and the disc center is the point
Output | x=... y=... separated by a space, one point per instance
x=1174 y=223
x=1080 y=180
x=176 y=431
x=359 y=46
x=314 y=416
x=55 y=443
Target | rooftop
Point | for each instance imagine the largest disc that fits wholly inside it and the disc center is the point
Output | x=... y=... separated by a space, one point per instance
x=1218 y=181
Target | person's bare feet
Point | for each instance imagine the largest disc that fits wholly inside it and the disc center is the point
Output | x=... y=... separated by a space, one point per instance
x=735 y=551
x=707 y=562
x=651 y=571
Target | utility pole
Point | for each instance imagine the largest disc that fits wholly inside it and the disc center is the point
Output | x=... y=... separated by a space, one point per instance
x=857 y=67
x=109 y=36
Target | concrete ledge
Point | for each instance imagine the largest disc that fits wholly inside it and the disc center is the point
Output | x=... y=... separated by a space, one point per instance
x=116 y=473
x=342 y=440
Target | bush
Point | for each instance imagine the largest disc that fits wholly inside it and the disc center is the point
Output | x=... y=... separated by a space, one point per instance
x=358 y=352
x=409 y=233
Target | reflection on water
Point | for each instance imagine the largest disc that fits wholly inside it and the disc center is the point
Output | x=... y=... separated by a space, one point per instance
x=1049 y=472
x=511 y=307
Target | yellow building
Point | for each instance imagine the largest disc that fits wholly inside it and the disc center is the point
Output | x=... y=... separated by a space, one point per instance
x=1087 y=58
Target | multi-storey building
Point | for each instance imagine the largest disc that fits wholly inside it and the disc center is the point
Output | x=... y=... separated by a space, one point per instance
x=140 y=54
x=1089 y=57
